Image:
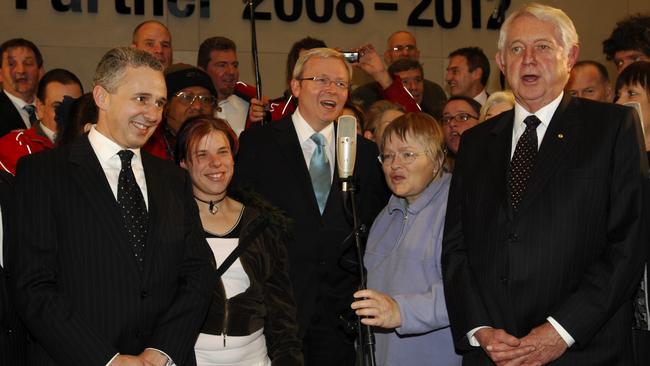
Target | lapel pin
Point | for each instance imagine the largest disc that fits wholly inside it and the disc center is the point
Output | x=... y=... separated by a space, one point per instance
x=560 y=135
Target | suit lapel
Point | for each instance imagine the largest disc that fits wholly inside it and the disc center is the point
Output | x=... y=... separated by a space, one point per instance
x=91 y=181
x=155 y=193
x=286 y=137
x=558 y=139
x=499 y=158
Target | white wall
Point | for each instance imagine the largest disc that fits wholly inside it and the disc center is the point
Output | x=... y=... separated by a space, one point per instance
x=77 y=40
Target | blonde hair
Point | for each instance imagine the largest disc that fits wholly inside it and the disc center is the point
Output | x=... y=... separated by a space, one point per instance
x=495 y=98
x=322 y=53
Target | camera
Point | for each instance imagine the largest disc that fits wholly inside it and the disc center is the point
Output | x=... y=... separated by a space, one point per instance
x=351 y=56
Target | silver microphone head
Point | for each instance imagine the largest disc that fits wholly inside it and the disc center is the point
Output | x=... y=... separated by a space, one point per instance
x=346 y=145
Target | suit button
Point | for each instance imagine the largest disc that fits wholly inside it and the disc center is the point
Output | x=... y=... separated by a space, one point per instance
x=144 y=294
x=504 y=280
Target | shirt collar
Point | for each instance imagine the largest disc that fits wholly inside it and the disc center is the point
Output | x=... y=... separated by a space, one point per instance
x=105 y=148
x=18 y=102
x=481 y=97
x=545 y=114
x=304 y=130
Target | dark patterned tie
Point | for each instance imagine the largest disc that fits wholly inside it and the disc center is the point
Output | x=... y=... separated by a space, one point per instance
x=523 y=161
x=134 y=210
x=31 y=110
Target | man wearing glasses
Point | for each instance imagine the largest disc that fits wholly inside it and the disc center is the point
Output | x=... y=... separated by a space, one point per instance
x=190 y=93
x=292 y=163
x=402 y=45
x=460 y=114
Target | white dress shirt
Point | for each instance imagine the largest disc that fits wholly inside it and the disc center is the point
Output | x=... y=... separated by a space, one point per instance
x=545 y=114
x=106 y=151
x=234 y=110
x=481 y=97
x=19 y=104
x=308 y=146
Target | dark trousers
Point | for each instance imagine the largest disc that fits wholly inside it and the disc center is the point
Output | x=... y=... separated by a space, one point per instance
x=641 y=346
x=325 y=344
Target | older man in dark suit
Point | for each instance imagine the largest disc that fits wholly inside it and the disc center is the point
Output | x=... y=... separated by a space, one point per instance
x=292 y=163
x=110 y=264
x=545 y=234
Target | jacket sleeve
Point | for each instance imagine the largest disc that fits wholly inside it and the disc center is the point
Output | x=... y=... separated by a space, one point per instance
x=281 y=327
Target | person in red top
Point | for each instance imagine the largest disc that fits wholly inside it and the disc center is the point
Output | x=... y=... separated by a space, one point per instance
x=53 y=86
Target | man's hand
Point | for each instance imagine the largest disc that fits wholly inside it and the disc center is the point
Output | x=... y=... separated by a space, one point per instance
x=153 y=357
x=370 y=62
x=502 y=348
x=377 y=309
x=257 y=109
x=126 y=360
x=548 y=344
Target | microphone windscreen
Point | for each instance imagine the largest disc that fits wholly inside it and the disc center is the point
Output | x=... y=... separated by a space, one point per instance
x=346 y=145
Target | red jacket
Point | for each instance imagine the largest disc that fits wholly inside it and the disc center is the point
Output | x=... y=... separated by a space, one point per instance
x=161 y=144
x=19 y=143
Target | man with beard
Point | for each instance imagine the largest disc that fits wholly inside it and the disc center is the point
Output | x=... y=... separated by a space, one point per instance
x=21 y=68
x=189 y=93
x=218 y=57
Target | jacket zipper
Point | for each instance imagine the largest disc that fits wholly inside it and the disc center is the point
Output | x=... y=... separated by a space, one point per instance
x=225 y=316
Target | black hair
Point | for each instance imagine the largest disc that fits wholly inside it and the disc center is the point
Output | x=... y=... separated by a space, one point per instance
x=475 y=59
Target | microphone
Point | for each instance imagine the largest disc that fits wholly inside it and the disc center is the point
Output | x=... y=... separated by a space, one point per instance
x=346 y=149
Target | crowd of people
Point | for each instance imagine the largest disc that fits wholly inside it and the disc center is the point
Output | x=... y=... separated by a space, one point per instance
x=169 y=216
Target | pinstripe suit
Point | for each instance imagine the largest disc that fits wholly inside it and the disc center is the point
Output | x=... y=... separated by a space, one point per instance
x=574 y=250
x=12 y=333
x=79 y=289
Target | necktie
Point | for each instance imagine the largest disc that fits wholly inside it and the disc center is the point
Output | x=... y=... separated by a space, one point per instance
x=134 y=210
x=31 y=110
x=319 y=170
x=523 y=161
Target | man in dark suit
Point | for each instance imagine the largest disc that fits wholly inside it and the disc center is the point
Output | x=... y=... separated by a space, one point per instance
x=545 y=231
x=110 y=264
x=293 y=167
x=21 y=68
x=12 y=333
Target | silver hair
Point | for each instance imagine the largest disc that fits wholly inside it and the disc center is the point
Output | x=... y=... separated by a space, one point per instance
x=112 y=66
x=322 y=53
x=567 y=31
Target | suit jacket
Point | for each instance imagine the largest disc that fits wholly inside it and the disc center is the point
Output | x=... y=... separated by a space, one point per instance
x=12 y=333
x=574 y=250
x=10 y=118
x=78 y=287
x=321 y=267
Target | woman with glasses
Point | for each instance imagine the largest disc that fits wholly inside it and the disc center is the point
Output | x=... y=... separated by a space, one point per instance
x=251 y=321
x=459 y=114
x=405 y=299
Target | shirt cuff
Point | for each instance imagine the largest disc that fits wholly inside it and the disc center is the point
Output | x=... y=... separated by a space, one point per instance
x=111 y=360
x=169 y=362
x=470 y=336
x=562 y=332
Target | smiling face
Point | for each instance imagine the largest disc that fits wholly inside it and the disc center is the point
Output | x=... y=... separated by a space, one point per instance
x=454 y=128
x=318 y=105
x=131 y=113
x=155 y=39
x=535 y=62
x=211 y=167
x=20 y=73
x=586 y=82
x=460 y=80
x=407 y=179
x=223 y=68
x=178 y=110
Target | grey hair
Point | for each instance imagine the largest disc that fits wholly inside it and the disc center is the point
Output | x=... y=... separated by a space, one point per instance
x=322 y=53
x=112 y=66
x=545 y=13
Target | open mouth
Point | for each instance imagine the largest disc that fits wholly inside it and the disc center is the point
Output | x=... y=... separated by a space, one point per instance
x=529 y=78
x=143 y=127
x=329 y=104
x=215 y=177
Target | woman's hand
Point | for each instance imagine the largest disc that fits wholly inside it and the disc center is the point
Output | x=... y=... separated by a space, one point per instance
x=377 y=309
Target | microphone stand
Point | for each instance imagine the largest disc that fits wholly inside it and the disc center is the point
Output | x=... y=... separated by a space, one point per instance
x=256 y=59
x=364 y=332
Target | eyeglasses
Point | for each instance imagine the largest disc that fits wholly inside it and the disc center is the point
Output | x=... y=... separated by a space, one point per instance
x=408 y=47
x=189 y=98
x=407 y=157
x=460 y=117
x=324 y=82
